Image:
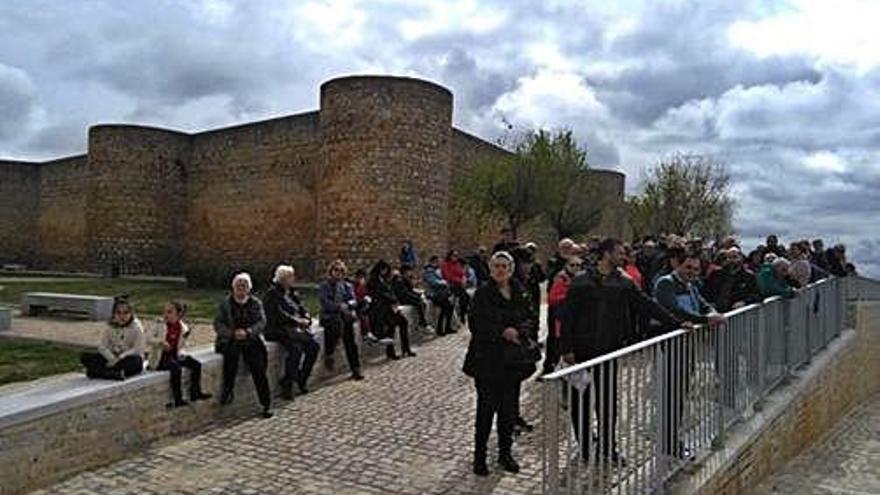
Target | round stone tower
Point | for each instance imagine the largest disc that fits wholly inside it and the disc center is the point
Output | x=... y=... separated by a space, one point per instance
x=385 y=168
x=136 y=200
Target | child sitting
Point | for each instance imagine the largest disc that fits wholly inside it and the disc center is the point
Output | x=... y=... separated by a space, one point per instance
x=168 y=352
x=121 y=351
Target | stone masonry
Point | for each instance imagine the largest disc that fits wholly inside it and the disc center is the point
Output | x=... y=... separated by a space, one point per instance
x=371 y=168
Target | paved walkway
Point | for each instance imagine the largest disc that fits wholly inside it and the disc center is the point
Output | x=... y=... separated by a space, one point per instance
x=88 y=333
x=406 y=429
x=846 y=461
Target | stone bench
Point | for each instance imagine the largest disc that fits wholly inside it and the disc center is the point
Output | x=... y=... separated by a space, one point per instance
x=95 y=307
x=45 y=424
x=5 y=318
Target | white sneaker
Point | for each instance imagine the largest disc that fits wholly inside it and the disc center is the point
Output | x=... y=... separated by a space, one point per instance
x=371 y=339
x=429 y=329
x=386 y=341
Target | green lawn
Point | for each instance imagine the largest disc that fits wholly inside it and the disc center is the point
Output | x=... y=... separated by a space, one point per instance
x=148 y=296
x=23 y=360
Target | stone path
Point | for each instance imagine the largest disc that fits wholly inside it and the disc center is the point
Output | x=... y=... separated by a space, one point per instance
x=406 y=429
x=88 y=333
x=846 y=461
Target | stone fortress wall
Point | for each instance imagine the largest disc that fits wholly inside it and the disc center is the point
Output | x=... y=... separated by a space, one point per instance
x=371 y=168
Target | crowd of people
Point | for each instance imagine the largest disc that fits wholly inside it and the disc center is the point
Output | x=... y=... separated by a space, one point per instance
x=602 y=295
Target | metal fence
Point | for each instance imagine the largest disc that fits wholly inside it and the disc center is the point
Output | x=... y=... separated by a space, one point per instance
x=627 y=421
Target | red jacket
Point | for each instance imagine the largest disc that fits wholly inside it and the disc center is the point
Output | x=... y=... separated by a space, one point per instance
x=556 y=297
x=635 y=275
x=453 y=272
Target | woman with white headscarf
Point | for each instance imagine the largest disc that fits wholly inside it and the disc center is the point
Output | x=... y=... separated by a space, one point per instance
x=239 y=325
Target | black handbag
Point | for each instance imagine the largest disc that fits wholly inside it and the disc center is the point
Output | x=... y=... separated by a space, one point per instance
x=522 y=356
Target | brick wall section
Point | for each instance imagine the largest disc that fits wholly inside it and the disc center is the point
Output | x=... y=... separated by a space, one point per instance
x=61 y=233
x=371 y=168
x=851 y=377
x=19 y=195
x=252 y=197
x=137 y=199
x=384 y=172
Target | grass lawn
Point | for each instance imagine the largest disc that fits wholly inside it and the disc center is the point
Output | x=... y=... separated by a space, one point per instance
x=23 y=360
x=148 y=296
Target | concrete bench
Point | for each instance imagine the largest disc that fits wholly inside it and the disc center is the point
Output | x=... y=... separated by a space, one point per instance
x=5 y=318
x=44 y=425
x=95 y=307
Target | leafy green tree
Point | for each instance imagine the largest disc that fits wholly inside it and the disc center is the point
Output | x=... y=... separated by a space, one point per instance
x=686 y=194
x=546 y=178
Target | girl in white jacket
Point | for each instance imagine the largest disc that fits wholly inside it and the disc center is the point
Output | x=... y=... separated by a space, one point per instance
x=121 y=351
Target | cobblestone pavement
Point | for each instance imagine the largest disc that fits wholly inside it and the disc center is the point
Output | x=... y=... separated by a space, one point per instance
x=406 y=429
x=846 y=461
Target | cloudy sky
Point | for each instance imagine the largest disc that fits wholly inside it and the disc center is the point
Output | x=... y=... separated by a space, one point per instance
x=786 y=93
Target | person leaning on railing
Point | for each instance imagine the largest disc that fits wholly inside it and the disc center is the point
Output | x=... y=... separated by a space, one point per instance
x=732 y=286
x=677 y=292
x=772 y=279
x=598 y=318
x=500 y=316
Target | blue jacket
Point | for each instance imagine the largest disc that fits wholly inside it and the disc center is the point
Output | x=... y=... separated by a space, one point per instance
x=333 y=293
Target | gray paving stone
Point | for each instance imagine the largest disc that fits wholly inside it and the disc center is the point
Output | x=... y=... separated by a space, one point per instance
x=845 y=461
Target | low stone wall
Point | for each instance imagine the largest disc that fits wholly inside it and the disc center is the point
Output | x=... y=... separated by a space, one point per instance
x=796 y=415
x=69 y=424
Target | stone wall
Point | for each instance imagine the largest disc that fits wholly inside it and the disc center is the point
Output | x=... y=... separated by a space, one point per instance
x=384 y=173
x=137 y=198
x=252 y=198
x=19 y=196
x=845 y=375
x=61 y=235
x=372 y=168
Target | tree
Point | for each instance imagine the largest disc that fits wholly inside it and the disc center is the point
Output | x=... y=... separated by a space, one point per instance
x=685 y=194
x=572 y=202
x=547 y=177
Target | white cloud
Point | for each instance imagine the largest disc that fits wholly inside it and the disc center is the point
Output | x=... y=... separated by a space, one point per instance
x=840 y=31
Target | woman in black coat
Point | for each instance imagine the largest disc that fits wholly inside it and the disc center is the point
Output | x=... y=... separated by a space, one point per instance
x=385 y=314
x=499 y=316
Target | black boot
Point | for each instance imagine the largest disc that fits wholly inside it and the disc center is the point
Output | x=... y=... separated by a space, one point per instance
x=391 y=354
x=226 y=397
x=480 y=467
x=508 y=463
x=286 y=389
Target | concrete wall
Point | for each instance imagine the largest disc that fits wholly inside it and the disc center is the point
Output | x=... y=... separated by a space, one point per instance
x=795 y=416
x=19 y=204
x=43 y=428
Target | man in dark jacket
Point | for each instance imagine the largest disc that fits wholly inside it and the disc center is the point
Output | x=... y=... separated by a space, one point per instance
x=288 y=323
x=239 y=325
x=600 y=317
x=732 y=286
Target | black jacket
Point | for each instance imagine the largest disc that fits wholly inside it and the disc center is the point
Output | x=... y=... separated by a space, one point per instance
x=383 y=299
x=599 y=314
x=405 y=292
x=725 y=288
x=490 y=314
x=281 y=307
x=231 y=315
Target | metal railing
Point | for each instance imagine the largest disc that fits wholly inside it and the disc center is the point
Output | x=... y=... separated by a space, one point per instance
x=627 y=421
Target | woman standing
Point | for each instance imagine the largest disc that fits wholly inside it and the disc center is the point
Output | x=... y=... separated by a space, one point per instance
x=499 y=316
x=453 y=271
